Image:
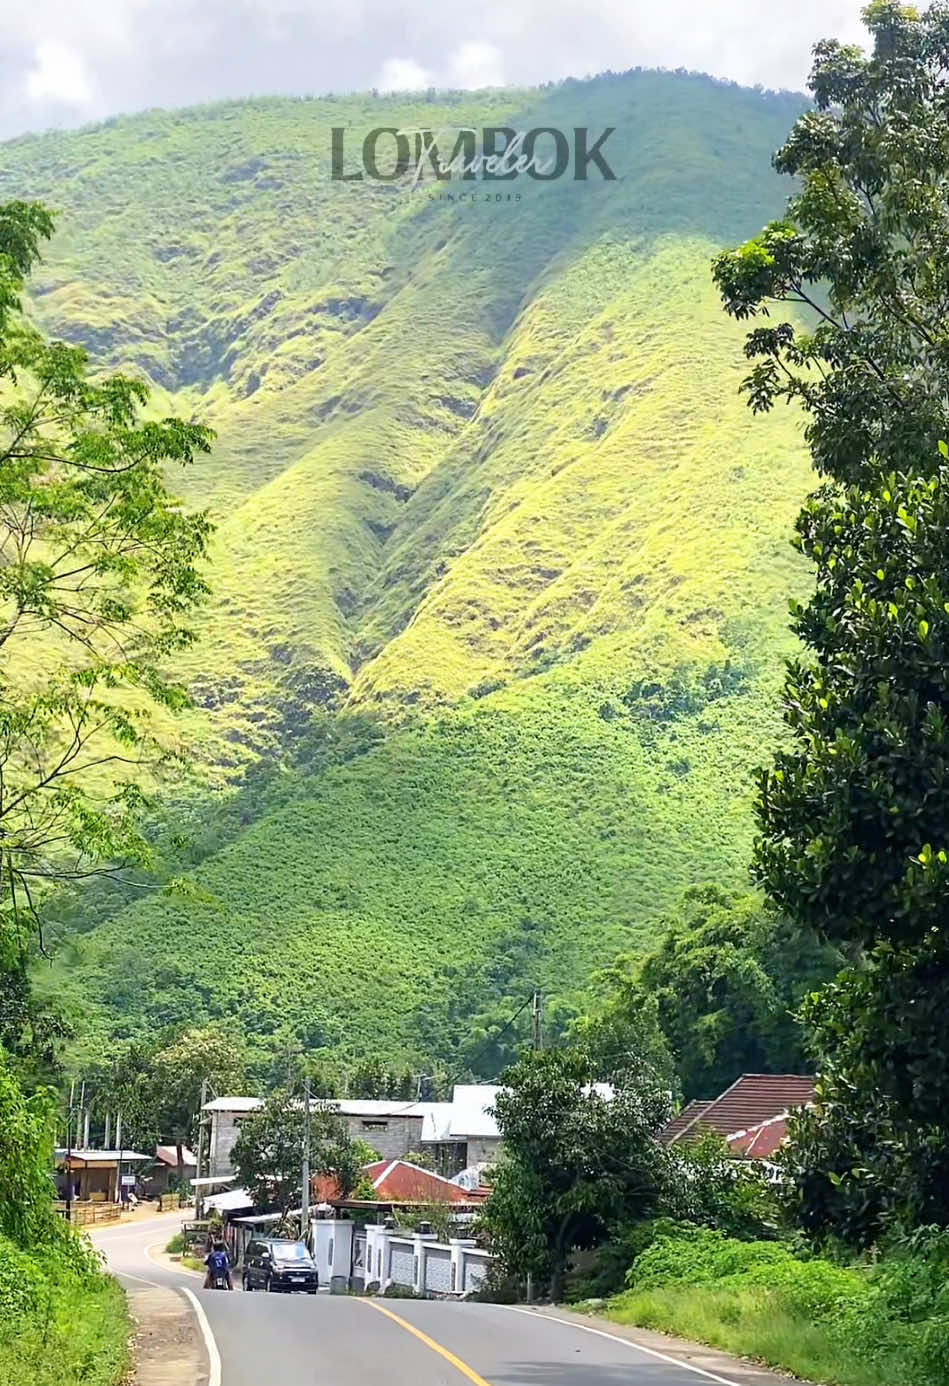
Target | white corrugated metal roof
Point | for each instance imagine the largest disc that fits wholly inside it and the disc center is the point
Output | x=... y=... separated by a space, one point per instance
x=234 y=1198
x=376 y=1107
x=96 y=1157
x=436 y=1122
x=469 y=1111
x=233 y=1104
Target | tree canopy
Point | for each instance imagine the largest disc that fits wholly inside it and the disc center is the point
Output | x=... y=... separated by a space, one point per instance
x=268 y=1153
x=576 y=1162
x=715 y=998
x=100 y=569
x=853 y=820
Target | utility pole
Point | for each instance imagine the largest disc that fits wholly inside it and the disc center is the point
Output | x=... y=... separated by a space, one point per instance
x=537 y=1041
x=118 y=1142
x=198 y=1194
x=72 y=1094
x=305 y=1192
x=108 y=1131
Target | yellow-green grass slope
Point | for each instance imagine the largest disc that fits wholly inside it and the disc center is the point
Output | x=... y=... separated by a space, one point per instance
x=482 y=466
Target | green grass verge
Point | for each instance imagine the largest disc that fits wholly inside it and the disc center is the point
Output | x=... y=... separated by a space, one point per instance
x=81 y=1337
x=854 y=1325
x=750 y=1323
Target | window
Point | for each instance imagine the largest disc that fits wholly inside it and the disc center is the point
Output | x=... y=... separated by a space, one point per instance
x=375 y=1126
x=289 y=1251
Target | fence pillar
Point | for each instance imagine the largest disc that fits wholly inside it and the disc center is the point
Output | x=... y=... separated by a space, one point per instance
x=458 y=1246
x=421 y=1241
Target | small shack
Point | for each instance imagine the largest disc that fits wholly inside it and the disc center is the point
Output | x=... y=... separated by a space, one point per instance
x=96 y=1176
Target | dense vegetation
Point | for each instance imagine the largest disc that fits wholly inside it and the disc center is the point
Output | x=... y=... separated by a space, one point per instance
x=483 y=480
x=62 y=1322
x=852 y=849
x=854 y=834
x=850 y=1326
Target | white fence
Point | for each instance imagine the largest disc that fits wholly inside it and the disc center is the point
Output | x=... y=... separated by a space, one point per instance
x=419 y=1262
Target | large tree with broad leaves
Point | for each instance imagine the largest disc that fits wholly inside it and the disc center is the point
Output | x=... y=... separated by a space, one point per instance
x=100 y=570
x=851 y=296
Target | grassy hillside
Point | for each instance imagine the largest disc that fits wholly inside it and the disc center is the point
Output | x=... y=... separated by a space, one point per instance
x=482 y=474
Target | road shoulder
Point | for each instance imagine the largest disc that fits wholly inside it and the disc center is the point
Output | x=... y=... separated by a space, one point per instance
x=705 y=1360
x=169 y=1348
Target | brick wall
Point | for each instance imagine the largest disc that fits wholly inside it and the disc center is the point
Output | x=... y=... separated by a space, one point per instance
x=225 y=1128
x=392 y=1136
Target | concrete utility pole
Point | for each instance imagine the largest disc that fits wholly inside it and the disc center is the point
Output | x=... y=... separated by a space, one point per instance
x=118 y=1143
x=537 y=1041
x=108 y=1131
x=305 y=1192
x=198 y=1194
x=72 y=1094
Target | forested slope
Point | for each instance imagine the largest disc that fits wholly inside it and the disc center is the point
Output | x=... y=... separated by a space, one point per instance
x=482 y=476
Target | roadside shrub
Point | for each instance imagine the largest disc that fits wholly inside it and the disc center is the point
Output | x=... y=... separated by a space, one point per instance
x=702 y=1256
x=707 y=1186
x=23 y=1284
x=879 y=1325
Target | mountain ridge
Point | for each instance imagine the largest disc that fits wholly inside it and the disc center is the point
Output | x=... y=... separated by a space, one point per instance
x=483 y=478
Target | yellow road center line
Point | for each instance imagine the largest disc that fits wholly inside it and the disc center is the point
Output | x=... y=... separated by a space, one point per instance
x=456 y=1362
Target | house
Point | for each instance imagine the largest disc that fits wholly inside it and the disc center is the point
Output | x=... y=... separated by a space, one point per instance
x=226 y=1115
x=95 y=1176
x=751 y=1115
x=760 y=1142
x=164 y=1170
x=397 y=1182
x=457 y=1134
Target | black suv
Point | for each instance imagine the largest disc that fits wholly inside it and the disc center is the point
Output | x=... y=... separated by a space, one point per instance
x=279 y=1265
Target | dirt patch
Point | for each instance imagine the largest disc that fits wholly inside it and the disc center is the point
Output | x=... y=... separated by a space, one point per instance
x=169 y=1350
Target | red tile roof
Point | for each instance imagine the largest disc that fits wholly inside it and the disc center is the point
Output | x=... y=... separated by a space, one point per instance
x=168 y=1155
x=762 y=1141
x=752 y=1099
x=677 y=1125
x=397 y=1181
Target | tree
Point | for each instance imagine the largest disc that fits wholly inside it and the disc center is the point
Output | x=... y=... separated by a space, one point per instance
x=157 y=1085
x=853 y=818
x=177 y=1072
x=575 y=1164
x=268 y=1153
x=99 y=571
x=716 y=997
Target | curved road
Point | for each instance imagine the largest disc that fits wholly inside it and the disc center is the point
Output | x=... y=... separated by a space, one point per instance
x=298 y=1340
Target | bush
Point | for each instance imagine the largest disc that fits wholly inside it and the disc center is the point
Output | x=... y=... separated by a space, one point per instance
x=23 y=1283
x=856 y=1325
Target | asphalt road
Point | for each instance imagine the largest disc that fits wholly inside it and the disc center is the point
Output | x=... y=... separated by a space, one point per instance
x=299 y=1340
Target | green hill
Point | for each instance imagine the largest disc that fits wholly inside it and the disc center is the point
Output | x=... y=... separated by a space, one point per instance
x=483 y=477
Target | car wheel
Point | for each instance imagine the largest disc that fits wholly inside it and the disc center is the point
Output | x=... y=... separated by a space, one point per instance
x=311 y=1292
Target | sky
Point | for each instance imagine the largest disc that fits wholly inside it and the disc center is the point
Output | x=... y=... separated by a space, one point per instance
x=68 y=62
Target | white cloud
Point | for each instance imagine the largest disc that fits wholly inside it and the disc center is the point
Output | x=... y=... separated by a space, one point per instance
x=403 y=74
x=58 y=76
x=476 y=64
x=64 y=61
